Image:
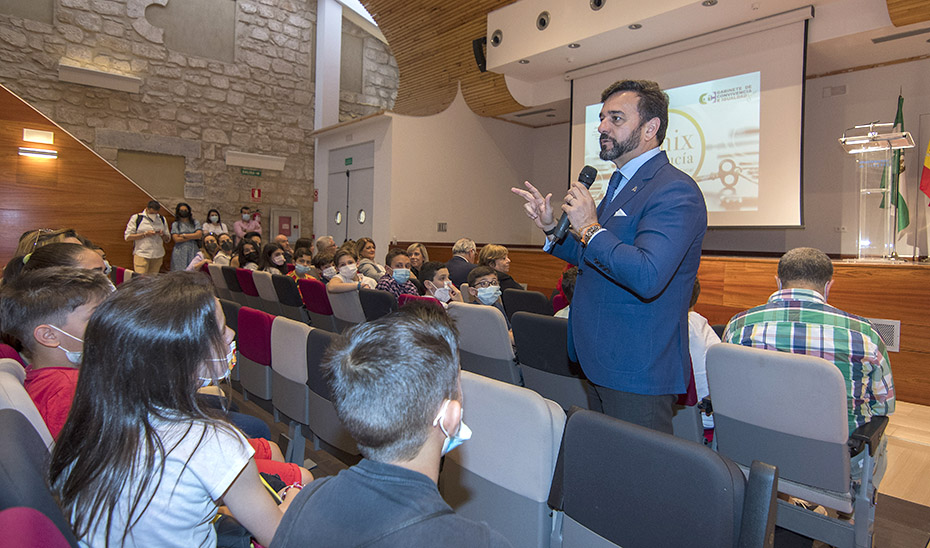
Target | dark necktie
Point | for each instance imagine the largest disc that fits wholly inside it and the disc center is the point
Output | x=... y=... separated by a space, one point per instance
x=615 y=179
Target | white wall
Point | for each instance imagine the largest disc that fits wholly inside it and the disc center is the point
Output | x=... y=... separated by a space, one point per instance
x=457 y=167
x=829 y=179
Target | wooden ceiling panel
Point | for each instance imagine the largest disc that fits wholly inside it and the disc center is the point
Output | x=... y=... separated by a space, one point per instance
x=432 y=43
x=908 y=12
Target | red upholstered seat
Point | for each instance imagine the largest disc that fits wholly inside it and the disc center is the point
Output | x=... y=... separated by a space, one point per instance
x=29 y=528
x=313 y=293
x=404 y=299
x=254 y=337
x=244 y=277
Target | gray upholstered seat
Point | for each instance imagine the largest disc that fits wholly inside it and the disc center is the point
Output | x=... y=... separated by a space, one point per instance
x=14 y=396
x=484 y=342
x=325 y=427
x=790 y=410
x=266 y=292
x=347 y=309
x=290 y=394
x=502 y=475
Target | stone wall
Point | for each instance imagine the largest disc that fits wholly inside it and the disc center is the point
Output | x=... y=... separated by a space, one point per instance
x=380 y=78
x=190 y=105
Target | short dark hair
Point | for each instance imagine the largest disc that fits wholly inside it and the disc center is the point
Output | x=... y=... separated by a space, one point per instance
x=429 y=269
x=48 y=295
x=153 y=204
x=47 y=256
x=695 y=293
x=394 y=252
x=243 y=208
x=251 y=234
x=479 y=272
x=303 y=242
x=302 y=252
x=806 y=265
x=389 y=378
x=323 y=258
x=653 y=102
x=568 y=282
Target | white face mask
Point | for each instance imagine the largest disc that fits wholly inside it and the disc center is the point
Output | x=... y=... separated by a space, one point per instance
x=279 y=260
x=329 y=272
x=229 y=360
x=246 y=216
x=348 y=272
x=444 y=293
x=74 y=356
x=452 y=440
x=214 y=219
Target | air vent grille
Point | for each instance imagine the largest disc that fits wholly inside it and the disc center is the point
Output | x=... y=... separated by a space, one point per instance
x=890 y=330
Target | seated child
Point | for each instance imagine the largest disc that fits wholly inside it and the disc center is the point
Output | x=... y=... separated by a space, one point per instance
x=397 y=279
x=485 y=289
x=349 y=278
x=436 y=282
x=303 y=265
x=323 y=262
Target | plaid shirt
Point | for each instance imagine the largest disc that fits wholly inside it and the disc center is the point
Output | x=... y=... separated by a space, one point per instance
x=388 y=283
x=800 y=321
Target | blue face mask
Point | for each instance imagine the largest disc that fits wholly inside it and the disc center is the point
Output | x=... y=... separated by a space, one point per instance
x=489 y=295
x=401 y=275
x=301 y=270
x=452 y=441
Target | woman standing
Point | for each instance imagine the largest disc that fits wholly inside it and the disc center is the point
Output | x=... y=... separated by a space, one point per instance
x=185 y=231
x=214 y=224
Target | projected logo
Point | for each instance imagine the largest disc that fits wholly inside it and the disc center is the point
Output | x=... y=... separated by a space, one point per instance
x=684 y=142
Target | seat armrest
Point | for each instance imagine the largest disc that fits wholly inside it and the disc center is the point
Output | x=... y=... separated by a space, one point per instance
x=869 y=434
x=757 y=524
x=556 y=492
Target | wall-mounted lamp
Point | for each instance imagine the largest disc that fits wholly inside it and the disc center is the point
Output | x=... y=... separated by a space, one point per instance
x=38 y=152
x=255 y=161
x=38 y=136
x=98 y=78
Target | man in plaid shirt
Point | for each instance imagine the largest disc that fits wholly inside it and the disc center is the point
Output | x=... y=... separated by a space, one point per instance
x=798 y=319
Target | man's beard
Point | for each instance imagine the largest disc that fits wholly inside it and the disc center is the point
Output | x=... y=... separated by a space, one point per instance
x=619 y=149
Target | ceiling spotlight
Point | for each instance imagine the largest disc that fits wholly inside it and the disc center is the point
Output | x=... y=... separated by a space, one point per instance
x=574 y=46
x=709 y=3
x=524 y=61
x=635 y=26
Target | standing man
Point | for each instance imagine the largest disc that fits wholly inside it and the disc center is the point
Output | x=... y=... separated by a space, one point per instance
x=248 y=222
x=464 y=255
x=637 y=255
x=149 y=231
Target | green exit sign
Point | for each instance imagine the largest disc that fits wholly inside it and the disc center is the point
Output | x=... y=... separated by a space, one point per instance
x=348 y=161
x=252 y=172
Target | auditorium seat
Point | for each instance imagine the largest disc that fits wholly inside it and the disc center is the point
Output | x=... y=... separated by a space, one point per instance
x=25 y=527
x=347 y=309
x=249 y=291
x=316 y=301
x=542 y=351
x=231 y=311
x=289 y=298
x=254 y=347
x=791 y=410
x=290 y=393
x=520 y=300
x=376 y=303
x=232 y=283
x=619 y=484
x=502 y=475
x=484 y=343
x=23 y=468
x=219 y=281
x=266 y=292
x=326 y=429
x=14 y=396
x=404 y=299
x=119 y=274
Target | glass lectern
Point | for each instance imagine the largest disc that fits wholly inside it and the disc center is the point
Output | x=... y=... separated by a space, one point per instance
x=873 y=152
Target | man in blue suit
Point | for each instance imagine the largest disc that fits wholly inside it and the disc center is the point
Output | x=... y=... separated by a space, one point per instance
x=637 y=254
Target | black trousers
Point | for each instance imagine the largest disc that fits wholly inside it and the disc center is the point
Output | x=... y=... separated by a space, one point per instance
x=654 y=412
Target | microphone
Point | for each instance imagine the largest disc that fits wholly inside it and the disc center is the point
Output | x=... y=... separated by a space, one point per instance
x=586 y=177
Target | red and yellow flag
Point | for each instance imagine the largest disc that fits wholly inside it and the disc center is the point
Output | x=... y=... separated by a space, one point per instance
x=925 y=174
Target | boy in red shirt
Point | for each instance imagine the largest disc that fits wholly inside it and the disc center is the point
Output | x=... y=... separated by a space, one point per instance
x=48 y=311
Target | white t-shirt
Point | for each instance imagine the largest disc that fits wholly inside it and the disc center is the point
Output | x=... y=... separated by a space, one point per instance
x=150 y=247
x=201 y=463
x=701 y=336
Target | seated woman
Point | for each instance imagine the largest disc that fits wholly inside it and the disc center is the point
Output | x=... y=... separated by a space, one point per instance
x=348 y=278
x=497 y=258
x=323 y=262
x=365 y=251
x=272 y=259
x=206 y=253
x=418 y=255
x=139 y=461
x=223 y=256
x=246 y=256
x=303 y=265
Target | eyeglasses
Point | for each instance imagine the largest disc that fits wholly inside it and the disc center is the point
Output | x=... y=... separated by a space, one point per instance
x=487 y=284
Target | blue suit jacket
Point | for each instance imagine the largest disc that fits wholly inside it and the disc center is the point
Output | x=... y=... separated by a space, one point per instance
x=629 y=313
